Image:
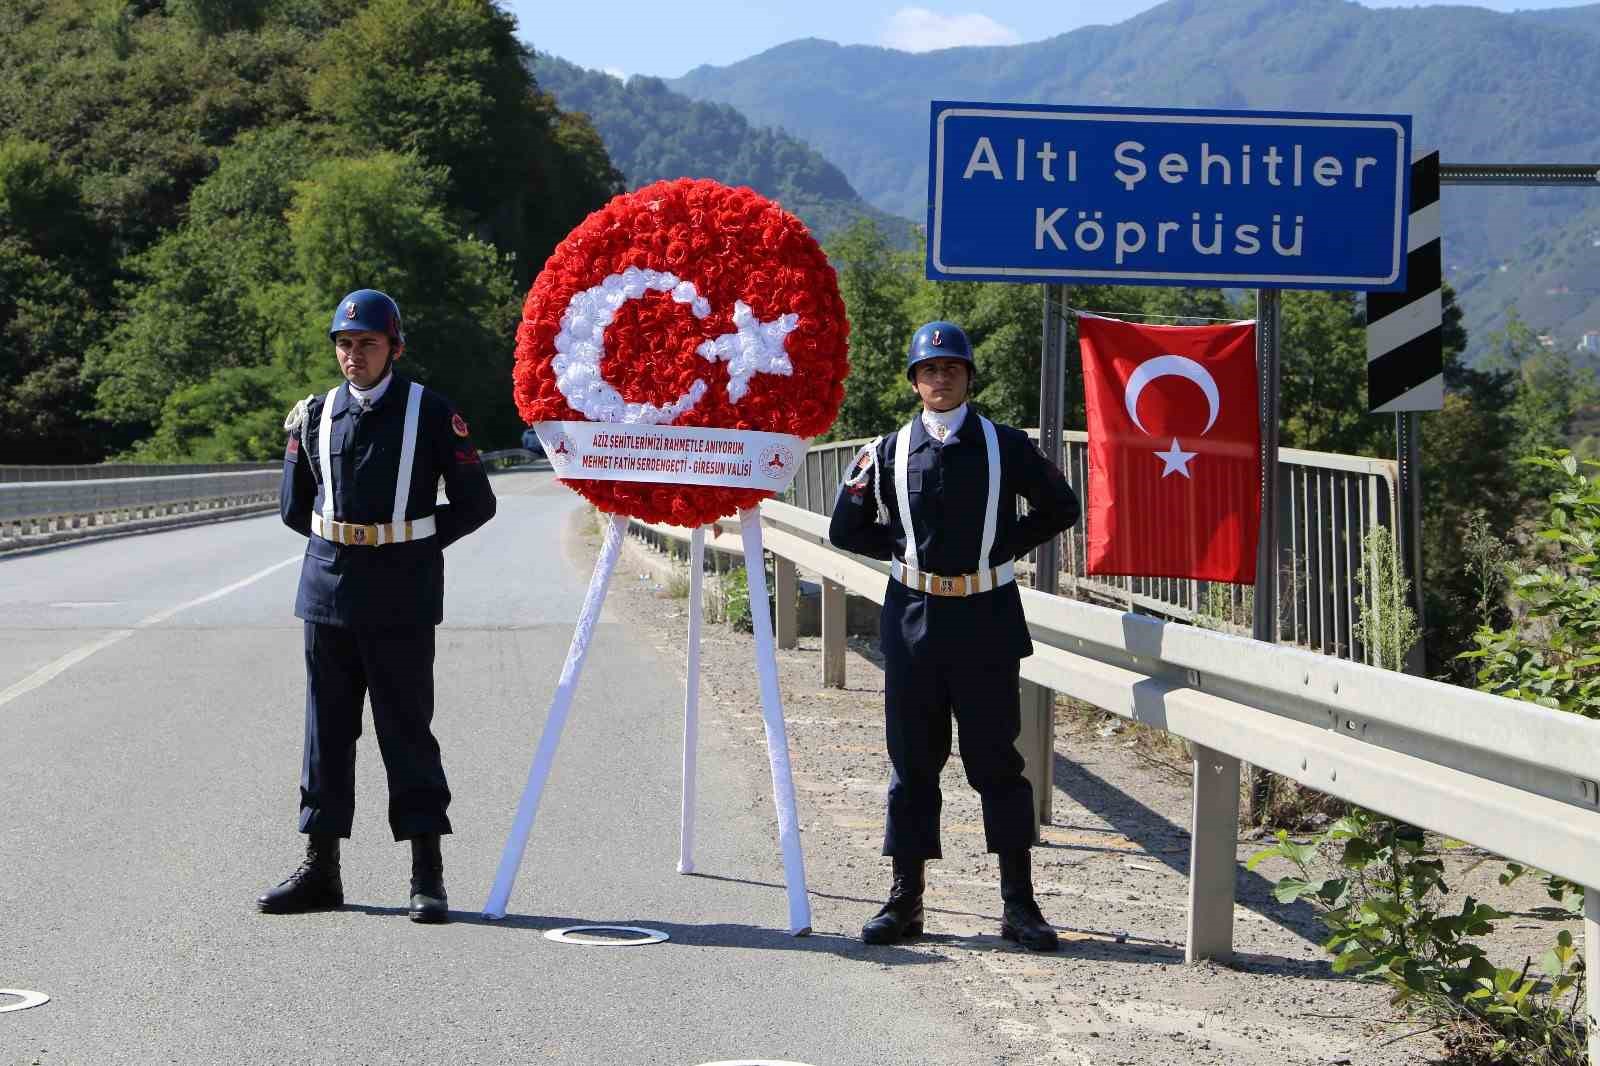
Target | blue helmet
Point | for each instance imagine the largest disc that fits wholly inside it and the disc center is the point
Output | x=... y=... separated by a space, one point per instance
x=939 y=340
x=368 y=309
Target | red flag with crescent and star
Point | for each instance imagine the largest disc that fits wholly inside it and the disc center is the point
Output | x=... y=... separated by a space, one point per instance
x=1174 y=449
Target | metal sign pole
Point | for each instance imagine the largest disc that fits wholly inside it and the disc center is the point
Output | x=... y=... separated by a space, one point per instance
x=1267 y=336
x=1408 y=522
x=1265 y=622
x=1037 y=740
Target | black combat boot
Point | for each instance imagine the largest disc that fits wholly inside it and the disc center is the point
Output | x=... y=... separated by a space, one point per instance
x=428 y=901
x=901 y=917
x=1021 y=920
x=315 y=886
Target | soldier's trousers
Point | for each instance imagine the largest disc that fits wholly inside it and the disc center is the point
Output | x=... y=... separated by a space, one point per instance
x=394 y=665
x=919 y=699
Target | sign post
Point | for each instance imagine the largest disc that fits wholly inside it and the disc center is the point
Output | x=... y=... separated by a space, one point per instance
x=1160 y=196
x=1038 y=704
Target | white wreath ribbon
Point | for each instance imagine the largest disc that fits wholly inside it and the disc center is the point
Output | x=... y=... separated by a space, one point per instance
x=672 y=455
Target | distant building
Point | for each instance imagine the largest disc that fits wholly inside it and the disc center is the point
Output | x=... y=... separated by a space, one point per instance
x=1590 y=341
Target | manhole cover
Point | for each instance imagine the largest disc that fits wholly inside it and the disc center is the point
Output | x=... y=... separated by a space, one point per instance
x=29 y=999
x=606 y=936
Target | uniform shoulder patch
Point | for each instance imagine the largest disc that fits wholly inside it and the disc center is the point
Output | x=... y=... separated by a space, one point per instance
x=458 y=424
x=293 y=451
x=298 y=414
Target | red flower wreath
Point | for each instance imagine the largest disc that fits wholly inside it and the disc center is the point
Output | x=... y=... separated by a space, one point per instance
x=694 y=255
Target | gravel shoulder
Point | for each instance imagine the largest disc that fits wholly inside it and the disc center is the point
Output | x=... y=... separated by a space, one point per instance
x=1111 y=874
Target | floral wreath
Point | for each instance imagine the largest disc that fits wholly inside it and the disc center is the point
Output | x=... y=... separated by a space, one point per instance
x=685 y=303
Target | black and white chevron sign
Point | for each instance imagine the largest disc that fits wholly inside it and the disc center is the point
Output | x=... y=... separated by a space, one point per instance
x=1405 y=330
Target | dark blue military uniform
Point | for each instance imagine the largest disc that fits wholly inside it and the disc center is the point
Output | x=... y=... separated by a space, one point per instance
x=370 y=609
x=954 y=653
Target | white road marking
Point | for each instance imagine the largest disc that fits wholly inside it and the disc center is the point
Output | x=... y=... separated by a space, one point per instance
x=50 y=671
x=162 y=616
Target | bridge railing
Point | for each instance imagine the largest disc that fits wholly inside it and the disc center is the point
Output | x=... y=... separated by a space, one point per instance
x=35 y=512
x=1514 y=778
x=104 y=471
x=1328 y=504
x=39 y=510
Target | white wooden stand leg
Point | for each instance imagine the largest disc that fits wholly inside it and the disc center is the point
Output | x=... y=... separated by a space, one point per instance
x=794 y=867
x=691 y=700
x=560 y=704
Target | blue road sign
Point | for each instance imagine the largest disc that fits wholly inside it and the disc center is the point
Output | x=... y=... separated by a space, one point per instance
x=1161 y=196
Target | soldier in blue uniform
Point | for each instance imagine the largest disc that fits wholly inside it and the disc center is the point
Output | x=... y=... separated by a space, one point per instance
x=939 y=499
x=360 y=480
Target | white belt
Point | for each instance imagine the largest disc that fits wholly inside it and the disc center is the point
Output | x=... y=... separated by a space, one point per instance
x=399 y=530
x=961 y=585
x=356 y=534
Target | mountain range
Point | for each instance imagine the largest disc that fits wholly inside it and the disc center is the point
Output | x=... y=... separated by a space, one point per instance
x=1481 y=86
x=652 y=133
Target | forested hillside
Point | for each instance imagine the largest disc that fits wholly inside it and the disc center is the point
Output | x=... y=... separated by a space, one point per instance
x=653 y=133
x=188 y=187
x=1482 y=86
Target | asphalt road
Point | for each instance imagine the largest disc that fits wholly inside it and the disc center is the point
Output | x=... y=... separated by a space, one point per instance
x=151 y=695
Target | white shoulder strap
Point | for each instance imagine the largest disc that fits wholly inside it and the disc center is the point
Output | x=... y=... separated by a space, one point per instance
x=902 y=450
x=324 y=443
x=991 y=514
x=408 y=453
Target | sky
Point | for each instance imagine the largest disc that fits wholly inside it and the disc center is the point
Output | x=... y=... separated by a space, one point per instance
x=669 y=39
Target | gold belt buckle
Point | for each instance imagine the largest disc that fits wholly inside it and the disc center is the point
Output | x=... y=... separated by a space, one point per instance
x=947 y=586
x=361 y=534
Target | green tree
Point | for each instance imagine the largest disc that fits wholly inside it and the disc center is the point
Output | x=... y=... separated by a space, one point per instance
x=1323 y=375
x=1550 y=655
x=234 y=415
x=204 y=298
x=47 y=311
x=877 y=283
x=446 y=81
x=1550 y=390
x=378 y=223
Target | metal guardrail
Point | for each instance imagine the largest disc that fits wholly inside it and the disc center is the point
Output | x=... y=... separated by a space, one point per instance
x=1328 y=503
x=1514 y=778
x=509 y=457
x=37 y=511
x=102 y=471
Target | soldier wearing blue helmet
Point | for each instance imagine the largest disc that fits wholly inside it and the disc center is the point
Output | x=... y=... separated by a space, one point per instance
x=938 y=500
x=360 y=480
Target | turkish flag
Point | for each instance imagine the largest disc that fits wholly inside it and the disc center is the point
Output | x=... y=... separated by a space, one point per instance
x=1174 y=449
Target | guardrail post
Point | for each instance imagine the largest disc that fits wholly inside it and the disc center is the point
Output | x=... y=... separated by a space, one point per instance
x=1036 y=742
x=787 y=584
x=1213 y=855
x=1591 y=968
x=833 y=632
